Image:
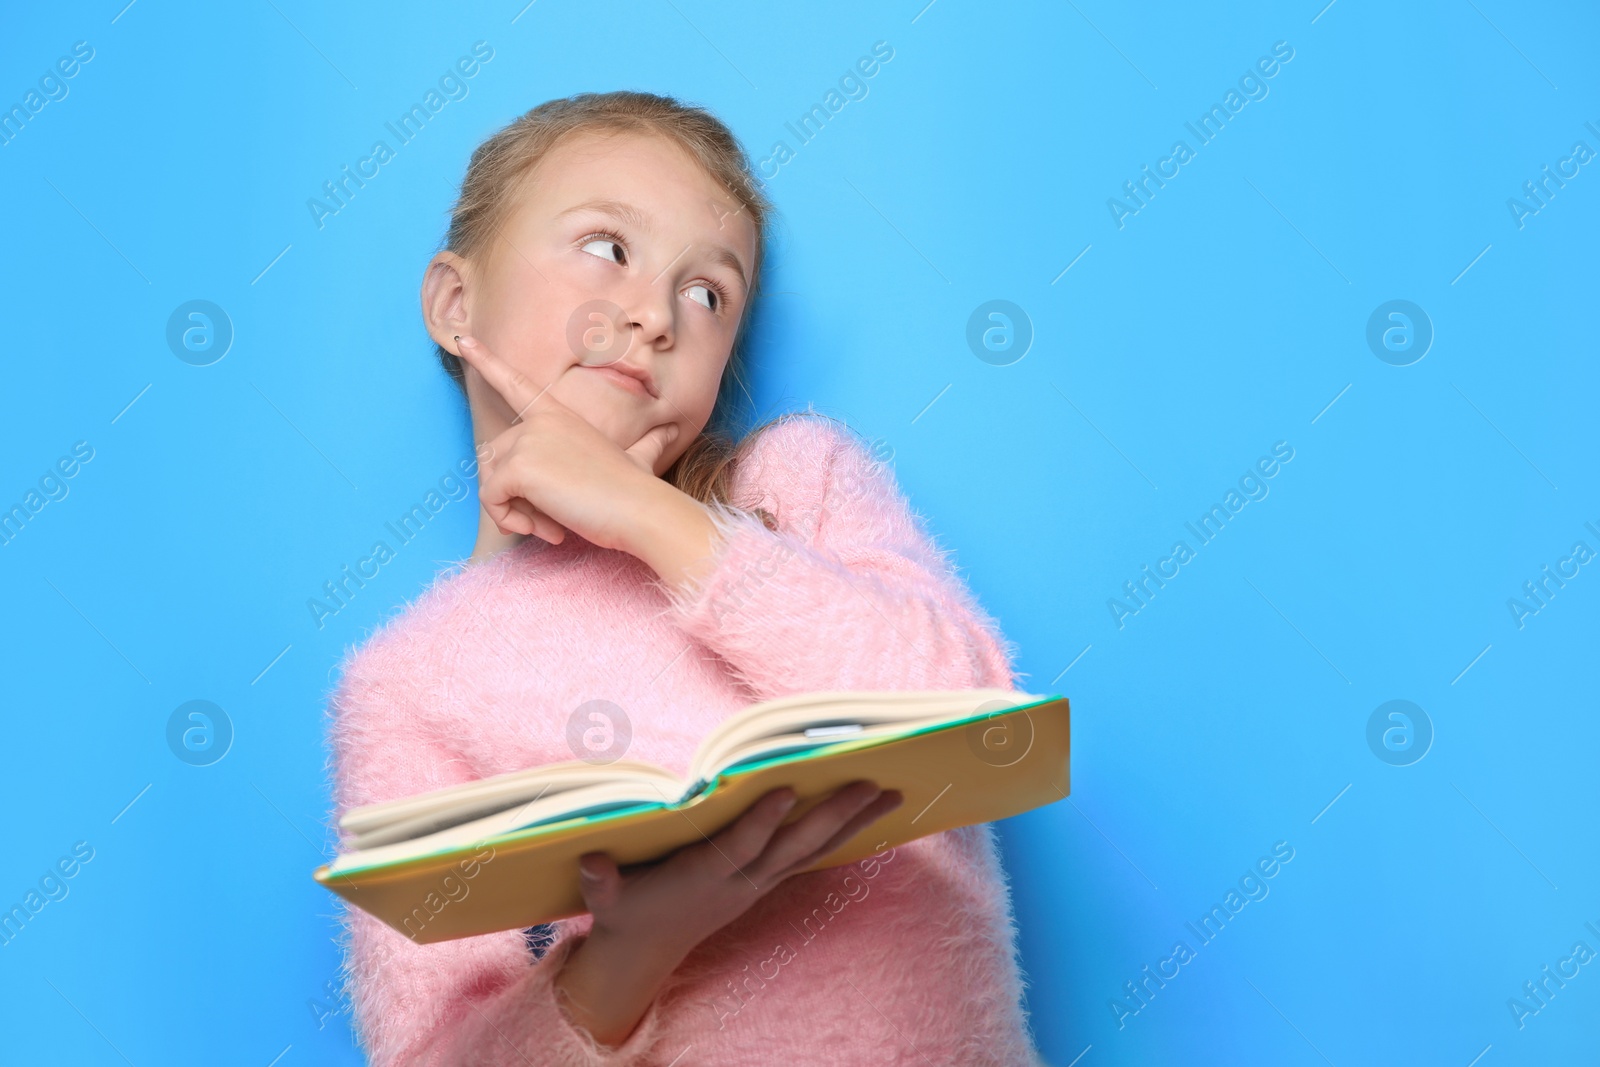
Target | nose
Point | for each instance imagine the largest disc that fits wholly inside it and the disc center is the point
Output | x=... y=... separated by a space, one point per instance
x=651 y=312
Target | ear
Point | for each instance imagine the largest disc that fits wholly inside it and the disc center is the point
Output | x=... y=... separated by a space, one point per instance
x=444 y=299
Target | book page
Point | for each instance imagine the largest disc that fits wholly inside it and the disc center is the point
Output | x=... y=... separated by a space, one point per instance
x=593 y=799
x=413 y=816
x=778 y=726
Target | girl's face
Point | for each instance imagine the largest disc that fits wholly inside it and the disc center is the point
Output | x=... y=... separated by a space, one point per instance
x=621 y=255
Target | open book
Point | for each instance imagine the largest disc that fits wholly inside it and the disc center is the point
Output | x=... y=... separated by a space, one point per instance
x=502 y=853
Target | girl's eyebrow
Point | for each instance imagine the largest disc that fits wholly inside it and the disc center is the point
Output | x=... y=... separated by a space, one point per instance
x=618 y=209
x=725 y=256
x=615 y=208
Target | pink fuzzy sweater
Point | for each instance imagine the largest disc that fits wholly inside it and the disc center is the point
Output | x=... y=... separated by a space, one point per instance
x=907 y=957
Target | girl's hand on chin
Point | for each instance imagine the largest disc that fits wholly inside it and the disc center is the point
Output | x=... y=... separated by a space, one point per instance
x=552 y=471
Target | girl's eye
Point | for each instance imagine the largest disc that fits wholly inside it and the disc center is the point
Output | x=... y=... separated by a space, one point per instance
x=705 y=295
x=596 y=246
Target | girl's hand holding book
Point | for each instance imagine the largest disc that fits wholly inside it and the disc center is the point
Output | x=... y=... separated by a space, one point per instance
x=647 y=920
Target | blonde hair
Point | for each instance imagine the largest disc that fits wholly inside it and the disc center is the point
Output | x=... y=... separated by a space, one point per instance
x=487 y=197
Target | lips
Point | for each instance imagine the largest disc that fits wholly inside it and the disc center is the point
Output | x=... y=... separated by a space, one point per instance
x=634 y=379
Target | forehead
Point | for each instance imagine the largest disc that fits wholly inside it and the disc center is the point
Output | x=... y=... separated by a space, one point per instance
x=667 y=188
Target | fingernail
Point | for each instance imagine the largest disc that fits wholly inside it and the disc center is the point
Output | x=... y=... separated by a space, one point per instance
x=586 y=874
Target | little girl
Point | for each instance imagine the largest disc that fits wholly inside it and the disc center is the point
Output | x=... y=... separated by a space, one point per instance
x=632 y=561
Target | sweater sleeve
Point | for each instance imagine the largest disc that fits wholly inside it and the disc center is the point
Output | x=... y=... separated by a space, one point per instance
x=848 y=592
x=480 y=1000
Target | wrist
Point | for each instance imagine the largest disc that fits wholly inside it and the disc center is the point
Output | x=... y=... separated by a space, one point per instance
x=656 y=955
x=607 y=983
x=672 y=533
x=651 y=504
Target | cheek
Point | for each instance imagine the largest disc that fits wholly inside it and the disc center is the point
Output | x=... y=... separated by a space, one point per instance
x=699 y=388
x=535 y=356
x=529 y=338
x=522 y=316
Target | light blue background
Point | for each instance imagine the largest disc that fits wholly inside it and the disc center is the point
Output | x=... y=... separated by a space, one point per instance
x=1222 y=318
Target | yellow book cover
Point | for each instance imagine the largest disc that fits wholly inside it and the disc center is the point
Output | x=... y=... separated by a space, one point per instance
x=503 y=853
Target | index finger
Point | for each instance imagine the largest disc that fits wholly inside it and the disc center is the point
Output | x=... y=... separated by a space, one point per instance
x=514 y=387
